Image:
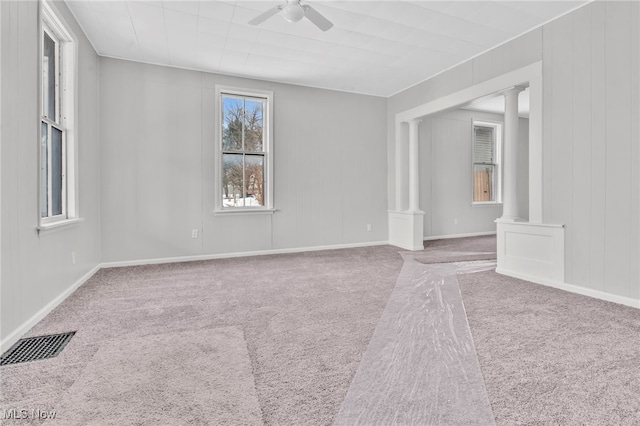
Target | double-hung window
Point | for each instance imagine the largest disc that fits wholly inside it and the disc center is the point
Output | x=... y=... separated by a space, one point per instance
x=244 y=150
x=487 y=138
x=57 y=183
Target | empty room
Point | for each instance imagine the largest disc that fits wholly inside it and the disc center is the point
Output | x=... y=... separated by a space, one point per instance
x=291 y=212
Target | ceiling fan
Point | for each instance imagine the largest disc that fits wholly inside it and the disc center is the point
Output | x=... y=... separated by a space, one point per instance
x=293 y=11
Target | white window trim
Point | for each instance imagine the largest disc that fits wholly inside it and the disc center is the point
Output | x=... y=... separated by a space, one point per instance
x=499 y=126
x=67 y=90
x=268 y=150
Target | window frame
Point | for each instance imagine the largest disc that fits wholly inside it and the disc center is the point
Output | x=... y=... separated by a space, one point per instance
x=267 y=120
x=498 y=129
x=56 y=28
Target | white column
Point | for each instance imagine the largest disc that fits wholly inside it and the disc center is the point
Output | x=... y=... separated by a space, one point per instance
x=406 y=225
x=400 y=168
x=535 y=150
x=414 y=165
x=510 y=157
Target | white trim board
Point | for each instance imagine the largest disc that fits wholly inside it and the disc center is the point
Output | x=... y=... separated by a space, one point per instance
x=27 y=325
x=596 y=294
x=236 y=254
x=38 y=316
x=516 y=77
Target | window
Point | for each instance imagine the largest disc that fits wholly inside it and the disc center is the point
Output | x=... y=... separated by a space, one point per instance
x=57 y=194
x=487 y=139
x=244 y=150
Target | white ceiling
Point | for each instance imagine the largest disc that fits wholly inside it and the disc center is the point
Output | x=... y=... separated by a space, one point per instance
x=375 y=47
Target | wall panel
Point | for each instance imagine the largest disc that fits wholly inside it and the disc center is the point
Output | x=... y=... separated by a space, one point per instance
x=581 y=148
x=597 y=127
x=618 y=161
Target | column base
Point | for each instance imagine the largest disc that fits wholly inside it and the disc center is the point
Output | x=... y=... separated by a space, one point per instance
x=533 y=250
x=510 y=219
x=406 y=230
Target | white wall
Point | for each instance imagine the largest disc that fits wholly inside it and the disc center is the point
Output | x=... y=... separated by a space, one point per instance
x=157 y=139
x=446 y=175
x=591 y=143
x=590 y=134
x=38 y=269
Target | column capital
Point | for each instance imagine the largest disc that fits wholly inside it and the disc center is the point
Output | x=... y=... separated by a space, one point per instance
x=413 y=121
x=513 y=90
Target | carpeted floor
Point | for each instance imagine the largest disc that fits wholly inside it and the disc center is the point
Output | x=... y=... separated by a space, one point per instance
x=288 y=333
x=306 y=318
x=550 y=357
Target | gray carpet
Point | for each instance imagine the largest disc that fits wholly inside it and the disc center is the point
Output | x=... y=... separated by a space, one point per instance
x=198 y=377
x=547 y=357
x=429 y=258
x=307 y=319
x=553 y=358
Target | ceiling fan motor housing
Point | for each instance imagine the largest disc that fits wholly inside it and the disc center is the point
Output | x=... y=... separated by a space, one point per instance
x=293 y=12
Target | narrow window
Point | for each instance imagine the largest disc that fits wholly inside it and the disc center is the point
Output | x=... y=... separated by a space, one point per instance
x=244 y=150
x=57 y=109
x=486 y=161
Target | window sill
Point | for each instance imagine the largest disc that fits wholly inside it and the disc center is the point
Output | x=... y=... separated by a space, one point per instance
x=243 y=212
x=487 y=204
x=48 y=228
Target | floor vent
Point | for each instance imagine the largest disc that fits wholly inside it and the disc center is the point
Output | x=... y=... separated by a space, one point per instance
x=36 y=348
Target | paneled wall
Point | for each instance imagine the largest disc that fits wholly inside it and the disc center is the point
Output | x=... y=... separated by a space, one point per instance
x=590 y=134
x=446 y=174
x=591 y=145
x=158 y=167
x=36 y=270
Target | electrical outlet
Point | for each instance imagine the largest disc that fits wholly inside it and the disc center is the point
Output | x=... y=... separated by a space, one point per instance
x=194 y=233
x=455 y=221
x=368 y=227
x=73 y=257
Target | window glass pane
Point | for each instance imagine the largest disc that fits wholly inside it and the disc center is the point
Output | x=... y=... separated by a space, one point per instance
x=44 y=170
x=483 y=148
x=232 y=182
x=253 y=110
x=232 y=119
x=254 y=179
x=56 y=171
x=49 y=78
x=483 y=183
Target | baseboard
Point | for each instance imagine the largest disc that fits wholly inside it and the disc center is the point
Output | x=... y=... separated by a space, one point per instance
x=472 y=234
x=38 y=316
x=596 y=294
x=237 y=254
x=26 y=326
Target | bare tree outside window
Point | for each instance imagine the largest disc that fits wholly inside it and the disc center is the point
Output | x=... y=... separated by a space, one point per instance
x=243 y=153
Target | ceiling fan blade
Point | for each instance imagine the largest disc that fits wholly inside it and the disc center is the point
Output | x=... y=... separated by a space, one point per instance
x=318 y=20
x=264 y=16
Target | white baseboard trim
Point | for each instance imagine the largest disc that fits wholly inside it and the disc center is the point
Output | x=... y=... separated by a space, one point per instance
x=472 y=234
x=38 y=316
x=117 y=264
x=597 y=294
x=27 y=325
